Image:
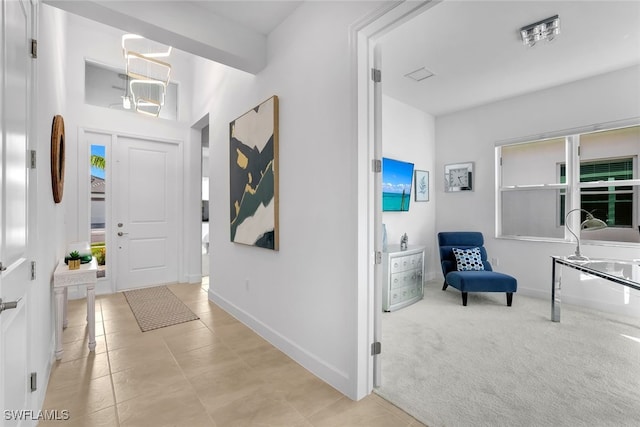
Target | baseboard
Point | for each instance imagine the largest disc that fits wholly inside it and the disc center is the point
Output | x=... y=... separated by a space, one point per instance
x=325 y=371
x=194 y=278
x=535 y=293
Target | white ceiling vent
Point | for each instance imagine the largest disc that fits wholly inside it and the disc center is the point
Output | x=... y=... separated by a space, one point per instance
x=419 y=74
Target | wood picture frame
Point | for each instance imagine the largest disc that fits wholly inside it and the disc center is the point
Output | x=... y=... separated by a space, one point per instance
x=57 y=158
x=253 y=176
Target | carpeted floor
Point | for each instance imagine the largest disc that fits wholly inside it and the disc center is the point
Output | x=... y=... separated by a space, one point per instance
x=157 y=307
x=492 y=365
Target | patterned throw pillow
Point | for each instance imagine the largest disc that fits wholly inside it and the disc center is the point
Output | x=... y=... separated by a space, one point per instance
x=468 y=259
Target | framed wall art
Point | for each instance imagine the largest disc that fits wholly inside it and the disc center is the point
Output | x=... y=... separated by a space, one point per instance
x=396 y=185
x=422 y=186
x=253 y=180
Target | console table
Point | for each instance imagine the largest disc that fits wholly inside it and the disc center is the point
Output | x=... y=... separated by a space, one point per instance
x=62 y=279
x=622 y=272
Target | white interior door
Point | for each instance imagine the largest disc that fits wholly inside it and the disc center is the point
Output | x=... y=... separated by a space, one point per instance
x=15 y=274
x=146 y=212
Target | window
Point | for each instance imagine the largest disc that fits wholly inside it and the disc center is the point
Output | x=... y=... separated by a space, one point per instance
x=539 y=181
x=98 y=164
x=108 y=87
x=612 y=204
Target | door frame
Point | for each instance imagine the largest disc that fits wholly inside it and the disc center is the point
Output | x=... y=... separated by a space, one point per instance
x=107 y=285
x=364 y=37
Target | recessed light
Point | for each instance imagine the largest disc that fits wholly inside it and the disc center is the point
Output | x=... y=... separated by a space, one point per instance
x=419 y=74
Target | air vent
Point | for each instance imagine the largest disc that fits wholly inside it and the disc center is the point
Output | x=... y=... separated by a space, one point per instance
x=419 y=74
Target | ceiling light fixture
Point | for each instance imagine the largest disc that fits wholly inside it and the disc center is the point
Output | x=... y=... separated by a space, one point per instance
x=148 y=95
x=547 y=29
x=148 y=77
x=146 y=47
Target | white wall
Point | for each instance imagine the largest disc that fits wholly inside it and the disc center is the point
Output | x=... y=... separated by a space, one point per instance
x=303 y=298
x=408 y=134
x=49 y=216
x=472 y=134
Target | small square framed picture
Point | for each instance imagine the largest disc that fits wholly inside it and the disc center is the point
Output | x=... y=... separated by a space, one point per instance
x=422 y=186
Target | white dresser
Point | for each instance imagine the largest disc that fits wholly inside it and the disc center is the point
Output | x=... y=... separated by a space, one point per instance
x=403 y=273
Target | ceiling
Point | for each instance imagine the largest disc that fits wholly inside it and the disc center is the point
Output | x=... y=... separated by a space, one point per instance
x=233 y=33
x=260 y=16
x=472 y=46
x=475 y=51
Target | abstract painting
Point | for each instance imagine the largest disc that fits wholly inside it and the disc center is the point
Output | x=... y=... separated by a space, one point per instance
x=253 y=169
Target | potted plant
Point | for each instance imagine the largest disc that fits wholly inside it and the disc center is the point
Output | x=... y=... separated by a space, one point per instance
x=74 y=260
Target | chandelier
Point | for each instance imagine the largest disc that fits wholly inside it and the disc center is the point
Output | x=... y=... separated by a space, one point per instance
x=147 y=74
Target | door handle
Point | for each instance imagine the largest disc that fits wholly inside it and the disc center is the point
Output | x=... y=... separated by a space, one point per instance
x=8 y=305
x=120 y=233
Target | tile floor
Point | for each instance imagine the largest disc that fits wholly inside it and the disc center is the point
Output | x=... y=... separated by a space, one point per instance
x=210 y=372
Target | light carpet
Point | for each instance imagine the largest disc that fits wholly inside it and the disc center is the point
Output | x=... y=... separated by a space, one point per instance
x=157 y=307
x=492 y=365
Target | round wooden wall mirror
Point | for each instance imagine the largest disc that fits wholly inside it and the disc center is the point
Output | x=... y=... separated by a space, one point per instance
x=57 y=158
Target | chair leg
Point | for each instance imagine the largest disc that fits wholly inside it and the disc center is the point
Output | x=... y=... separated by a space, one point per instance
x=509 y=298
x=444 y=287
x=464 y=299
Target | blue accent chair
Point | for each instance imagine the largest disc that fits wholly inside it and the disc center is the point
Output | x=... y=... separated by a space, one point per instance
x=485 y=280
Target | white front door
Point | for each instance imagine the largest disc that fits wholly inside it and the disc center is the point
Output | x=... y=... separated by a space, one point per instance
x=145 y=215
x=15 y=275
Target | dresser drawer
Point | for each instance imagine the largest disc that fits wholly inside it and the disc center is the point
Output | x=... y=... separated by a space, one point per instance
x=407 y=262
x=404 y=278
x=407 y=293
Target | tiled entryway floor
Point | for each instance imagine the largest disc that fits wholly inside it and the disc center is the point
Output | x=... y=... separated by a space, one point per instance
x=210 y=372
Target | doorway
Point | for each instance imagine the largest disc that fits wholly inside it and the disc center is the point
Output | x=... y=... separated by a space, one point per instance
x=133 y=194
x=367 y=55
x=200 y=143
x=205 y=201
